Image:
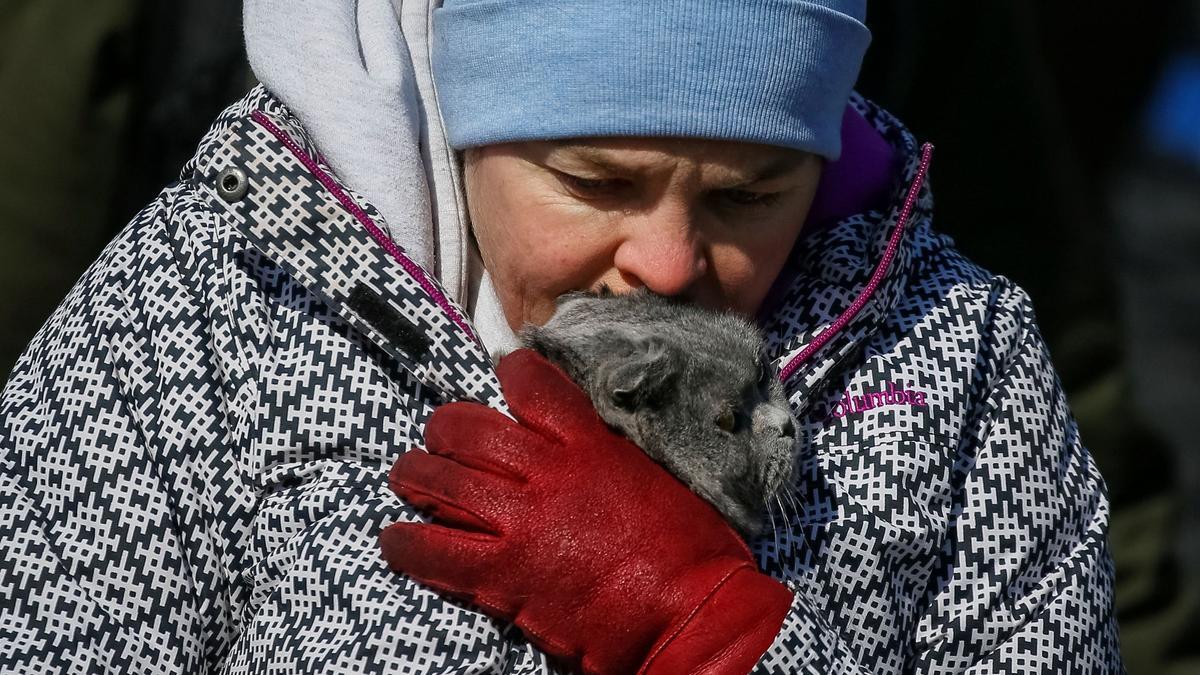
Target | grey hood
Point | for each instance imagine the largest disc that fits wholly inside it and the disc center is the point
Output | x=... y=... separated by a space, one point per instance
x=357 y=74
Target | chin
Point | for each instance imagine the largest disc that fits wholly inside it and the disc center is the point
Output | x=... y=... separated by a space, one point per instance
x=536 y=315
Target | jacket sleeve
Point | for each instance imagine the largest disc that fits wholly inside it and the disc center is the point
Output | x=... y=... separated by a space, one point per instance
x=1025 y=580
x=93 y=573
x=163 y=512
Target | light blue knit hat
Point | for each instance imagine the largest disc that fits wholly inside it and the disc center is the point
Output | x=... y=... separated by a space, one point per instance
x=767 y=71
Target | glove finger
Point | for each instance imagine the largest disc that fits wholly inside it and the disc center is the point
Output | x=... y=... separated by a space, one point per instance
x=542 y=397
x=452 y=494
x=460 y=564
x=484 y=439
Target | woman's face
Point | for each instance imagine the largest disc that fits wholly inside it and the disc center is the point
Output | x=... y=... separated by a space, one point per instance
x=710 y=222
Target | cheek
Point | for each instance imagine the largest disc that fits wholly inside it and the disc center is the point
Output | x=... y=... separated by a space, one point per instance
x=536 y=248
x=746 y=269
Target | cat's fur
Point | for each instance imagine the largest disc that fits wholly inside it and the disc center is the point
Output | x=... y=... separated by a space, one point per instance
x=670 y=376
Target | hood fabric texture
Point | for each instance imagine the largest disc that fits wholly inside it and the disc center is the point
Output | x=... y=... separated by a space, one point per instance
x=360 y=76
x=357 y=75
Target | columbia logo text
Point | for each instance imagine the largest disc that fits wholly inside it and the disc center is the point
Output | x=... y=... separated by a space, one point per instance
x=894 y=395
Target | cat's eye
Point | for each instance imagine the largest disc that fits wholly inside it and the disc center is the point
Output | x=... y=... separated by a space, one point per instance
x=727 y=421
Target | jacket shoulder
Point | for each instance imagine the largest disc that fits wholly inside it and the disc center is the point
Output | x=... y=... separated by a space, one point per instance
x=257 y=99
x=976 y=301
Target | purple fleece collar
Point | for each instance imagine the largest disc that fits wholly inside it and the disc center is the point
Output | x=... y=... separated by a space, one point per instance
x=859 y=180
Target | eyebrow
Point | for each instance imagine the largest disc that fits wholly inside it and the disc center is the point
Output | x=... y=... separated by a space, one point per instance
x=599 y=159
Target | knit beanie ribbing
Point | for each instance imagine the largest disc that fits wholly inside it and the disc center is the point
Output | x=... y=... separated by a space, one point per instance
x=777 y=72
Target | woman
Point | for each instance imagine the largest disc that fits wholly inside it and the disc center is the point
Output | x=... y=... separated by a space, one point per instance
x=196 y=443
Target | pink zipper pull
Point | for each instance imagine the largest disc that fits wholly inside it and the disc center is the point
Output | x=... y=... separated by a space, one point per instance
x=881 y=269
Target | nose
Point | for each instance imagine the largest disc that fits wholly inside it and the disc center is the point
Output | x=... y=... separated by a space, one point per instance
x=770 y=419
x=663 y=252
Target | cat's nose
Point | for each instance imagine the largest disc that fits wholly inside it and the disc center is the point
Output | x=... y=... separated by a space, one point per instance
x=787 y=429
x=773 y=419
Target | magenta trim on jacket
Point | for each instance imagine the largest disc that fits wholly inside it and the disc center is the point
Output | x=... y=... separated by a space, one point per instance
x=361 y=216
x=880 y=270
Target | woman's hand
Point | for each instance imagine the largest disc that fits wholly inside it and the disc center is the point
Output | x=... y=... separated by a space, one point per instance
x=568 y=530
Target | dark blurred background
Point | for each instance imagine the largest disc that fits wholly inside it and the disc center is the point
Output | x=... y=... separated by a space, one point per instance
x=1068 y=159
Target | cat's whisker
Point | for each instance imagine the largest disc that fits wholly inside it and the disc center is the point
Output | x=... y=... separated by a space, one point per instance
x=774 y=531
x=788 y=516
x=783 y=507
x=787 y=519
x=799 y=529
x=791 y=497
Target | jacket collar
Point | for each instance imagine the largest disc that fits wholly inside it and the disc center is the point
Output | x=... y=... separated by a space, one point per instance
x=298 y=214
x=844 y=279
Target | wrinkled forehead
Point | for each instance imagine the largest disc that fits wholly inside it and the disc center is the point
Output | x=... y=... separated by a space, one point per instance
x=721 y=161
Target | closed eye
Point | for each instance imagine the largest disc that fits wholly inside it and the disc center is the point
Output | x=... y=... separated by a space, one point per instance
x=591 y=186
x=748 y=198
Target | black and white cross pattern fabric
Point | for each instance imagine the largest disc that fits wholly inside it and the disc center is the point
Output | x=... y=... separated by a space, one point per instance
x=194 y=448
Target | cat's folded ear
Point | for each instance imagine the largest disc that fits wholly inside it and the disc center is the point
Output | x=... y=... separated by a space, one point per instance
x=646 y=378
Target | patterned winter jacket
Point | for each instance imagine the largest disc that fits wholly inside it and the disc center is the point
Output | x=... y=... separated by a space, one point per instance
x=194 y=447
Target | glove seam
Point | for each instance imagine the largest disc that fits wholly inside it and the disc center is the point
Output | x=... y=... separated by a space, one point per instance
x=559 y=649
x=493 y=530
x=658 y=650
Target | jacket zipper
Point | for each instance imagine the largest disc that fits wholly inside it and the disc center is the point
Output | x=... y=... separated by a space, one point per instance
x=877 y=276
x=365 y=220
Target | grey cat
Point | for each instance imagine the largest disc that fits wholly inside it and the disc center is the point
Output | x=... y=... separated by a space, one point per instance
x=687 y=385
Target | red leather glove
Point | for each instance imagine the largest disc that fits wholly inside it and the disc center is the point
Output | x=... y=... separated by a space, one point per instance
x=556 y=523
